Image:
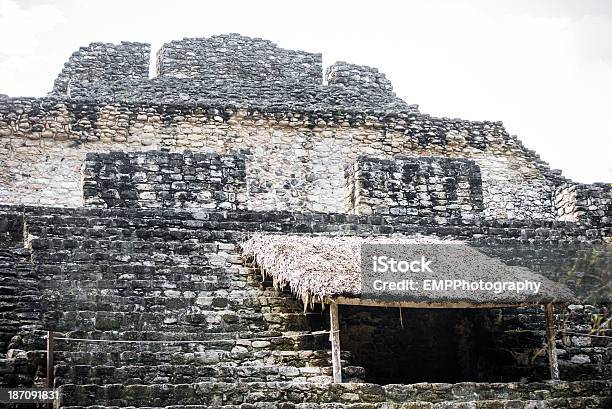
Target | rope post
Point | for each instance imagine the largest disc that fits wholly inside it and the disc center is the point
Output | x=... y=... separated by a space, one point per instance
x=551 y=344
x=49 y=381
x=334 y=337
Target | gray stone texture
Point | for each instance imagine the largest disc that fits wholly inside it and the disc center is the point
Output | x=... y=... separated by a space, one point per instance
x=153 y=258
x=444 y=188
x=584 y=203
x=163 y=179
x=102 y=63
x=238 y=58
x=229 y=70
x=360 y=76
x=165 y=274
x=345 y=396
x=296 y=161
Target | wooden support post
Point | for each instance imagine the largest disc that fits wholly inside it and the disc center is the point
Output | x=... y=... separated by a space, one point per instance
x=334 y=337
x=49 y=381
x=551 y=344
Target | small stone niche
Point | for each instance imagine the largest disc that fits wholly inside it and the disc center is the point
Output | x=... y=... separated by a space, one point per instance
x=161 y=179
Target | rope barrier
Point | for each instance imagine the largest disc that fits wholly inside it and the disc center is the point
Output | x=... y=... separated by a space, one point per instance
x=314 y=333
x=586 y=335
x=124 y=341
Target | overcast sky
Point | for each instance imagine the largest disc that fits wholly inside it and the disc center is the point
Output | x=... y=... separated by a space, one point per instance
x=543 y=67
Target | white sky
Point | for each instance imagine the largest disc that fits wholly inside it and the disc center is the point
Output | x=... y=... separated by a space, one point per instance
x=543 y=67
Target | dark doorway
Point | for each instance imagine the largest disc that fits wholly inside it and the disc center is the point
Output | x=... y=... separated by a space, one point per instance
x=429 y=345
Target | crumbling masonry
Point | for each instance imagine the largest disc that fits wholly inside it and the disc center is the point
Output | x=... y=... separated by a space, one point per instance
x=124 y=200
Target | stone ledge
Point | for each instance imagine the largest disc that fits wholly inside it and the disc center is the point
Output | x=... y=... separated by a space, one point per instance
x=239 y=393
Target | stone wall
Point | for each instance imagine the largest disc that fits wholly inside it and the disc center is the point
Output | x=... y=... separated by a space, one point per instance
x=102 y=62
x=166 y=275
x=297 y=159
x=20 y=305
x=561 y=395
x=480 y=345
x=361 y=76
x=550 y=247
x=11 y=229
x=588 y=204
x=156 y=257
x=234 y=57
x=225 y=70
x=19 y=295
x=424 y=186
x=163 y=276
x=163 y=179
x=229 y=92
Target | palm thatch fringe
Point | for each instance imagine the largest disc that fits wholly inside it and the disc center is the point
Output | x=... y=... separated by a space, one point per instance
x=317 y=268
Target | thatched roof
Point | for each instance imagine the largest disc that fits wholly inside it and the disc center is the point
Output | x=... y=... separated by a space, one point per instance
x=323 y=268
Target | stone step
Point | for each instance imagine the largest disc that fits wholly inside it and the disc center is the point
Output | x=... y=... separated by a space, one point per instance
x=139 y=269
x=121 y=225
x=217 y=299
x=96 y=240
x=590 y=394
x=588 y=350
x=135 y=288
x=124 y=222
x=14 y=254
x=198 y=358
x=172 y=301
x=107 y=248
x=181 y=321
x=178 y=374
x=198 y=258
x=182 y=314
x=121 y=219
x=205 y=301
x=20 y=368
x=178 y=321
x=582 y=402
x=272 y=340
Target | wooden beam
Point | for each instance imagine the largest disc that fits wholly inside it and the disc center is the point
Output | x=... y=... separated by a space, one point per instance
x=334 y=337
x=49 y=380
x=422 y=304
x=551 y=343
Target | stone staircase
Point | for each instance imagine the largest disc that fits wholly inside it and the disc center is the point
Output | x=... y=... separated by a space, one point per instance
x=20 y=363
x=200 y=315
x=561 y=395
x=213 y=333
x=18 y=293
x=176 y=367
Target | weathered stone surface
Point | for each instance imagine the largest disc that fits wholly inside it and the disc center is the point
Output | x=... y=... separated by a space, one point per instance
x=227 y=93
x=295 y=159
x=100 y=62
x=163 y=179
x=441 y=188
x=345 y=395
x=235 y=135
x=587 y=204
